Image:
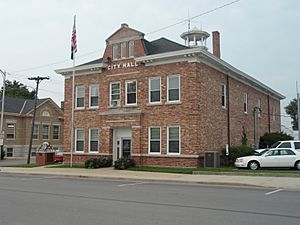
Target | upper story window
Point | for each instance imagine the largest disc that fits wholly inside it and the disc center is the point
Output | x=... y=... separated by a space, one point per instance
x=259 y=107
x=79 y=137
x=46 y=113
x=245 y=103
x=115 y=51
x=115 y=94
x=273 y=113
x=154 y=90
x=79 y=97
x=131 y=92
x=123 y=50
x=223 y=95
x=55 y=132
x=45 y=132
x=173 y=88
x=131 y=49
x=94 y=96
x=11 y=131
x=35 y=131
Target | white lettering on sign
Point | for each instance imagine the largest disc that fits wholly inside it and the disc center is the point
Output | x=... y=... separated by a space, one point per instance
x=122 y=65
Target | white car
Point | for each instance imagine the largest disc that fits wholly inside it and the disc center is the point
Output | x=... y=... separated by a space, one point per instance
x=275 y=157
x=283 y=144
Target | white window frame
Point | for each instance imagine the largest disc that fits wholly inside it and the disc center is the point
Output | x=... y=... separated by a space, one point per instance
x=58 y=131
x=131 y=48
x=179 y=91
x=90 y=95
x=225 y=94
x=37 y=132
x=123 y=51
x=79 y=140
x=90 y=132
x=126 y=83
x=43 y=131
x=13 y=133
x=76 y=94
x=259 y=107
x=12 y=152
x=273 y=113
x=149 y=92
x=115 y=56
x=179 y=135
x=149 y=141
x=110 y=94
x=245 y=103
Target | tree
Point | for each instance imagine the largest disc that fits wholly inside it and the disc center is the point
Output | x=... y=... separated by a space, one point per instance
x=17 y=90
x=291 y=109
x=268 y=139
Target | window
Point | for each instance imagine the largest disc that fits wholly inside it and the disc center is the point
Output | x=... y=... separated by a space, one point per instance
x=131 y=49
x=33 y=152
x=154 y=140
x=173 y=88
x=173 y=137
x=154 y=90
x=286 y=152
x=115 y=51
x=79 y=137
x=45 y=131
x=55 y=132
x=259 y=107
x=35 y=131
x=223 y=95
x=11 y=130
x=297 y=145
x=123 y=49
x=93 y=140
x=80 y=97
x=94 y=95
x=273 y=113
x=9 y=152
x=285 y=145
x=46 y=113
x=131 y=92
x=245 y=101
x=115 y=94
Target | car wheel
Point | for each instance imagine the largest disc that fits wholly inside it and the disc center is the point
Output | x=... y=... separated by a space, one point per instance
x=297 y=165
x=253 y=165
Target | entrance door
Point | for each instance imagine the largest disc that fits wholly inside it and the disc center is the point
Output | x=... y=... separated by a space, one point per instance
x=126 y=148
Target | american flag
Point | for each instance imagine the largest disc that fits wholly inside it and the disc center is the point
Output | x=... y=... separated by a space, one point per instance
x=73 y=40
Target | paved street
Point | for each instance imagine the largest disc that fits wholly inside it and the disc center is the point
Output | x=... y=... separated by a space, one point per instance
x=48 y=200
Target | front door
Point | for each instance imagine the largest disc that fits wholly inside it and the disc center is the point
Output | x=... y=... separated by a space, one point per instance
x=126 y=148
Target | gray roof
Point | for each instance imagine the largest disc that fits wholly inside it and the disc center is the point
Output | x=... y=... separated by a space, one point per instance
x=20 y=106
x=96 y=61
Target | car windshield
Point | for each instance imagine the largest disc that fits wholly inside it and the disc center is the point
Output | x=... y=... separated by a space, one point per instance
x=275 y=144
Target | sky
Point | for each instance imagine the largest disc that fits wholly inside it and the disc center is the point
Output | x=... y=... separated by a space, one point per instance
x=259 y=37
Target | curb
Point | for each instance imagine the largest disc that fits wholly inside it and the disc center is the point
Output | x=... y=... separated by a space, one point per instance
x=248 y=174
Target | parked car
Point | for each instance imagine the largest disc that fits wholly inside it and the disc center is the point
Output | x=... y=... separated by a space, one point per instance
x=283 y=144
x=275 y=157
x=59 y=156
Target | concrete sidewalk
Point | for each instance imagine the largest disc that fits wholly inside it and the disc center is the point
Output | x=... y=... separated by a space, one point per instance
x=110 y=173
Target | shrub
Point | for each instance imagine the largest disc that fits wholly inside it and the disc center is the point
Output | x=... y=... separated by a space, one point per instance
x=239 y=151
x=270 y=138
x=123 y=163
x=94 y=163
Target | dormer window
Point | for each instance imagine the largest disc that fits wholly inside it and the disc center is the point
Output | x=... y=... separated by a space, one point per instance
x=131 y=49
x=115 y=51
x=123 y=50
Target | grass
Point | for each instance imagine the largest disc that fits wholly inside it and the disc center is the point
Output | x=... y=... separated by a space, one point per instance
x=66 y=165
x=22 y=165
x=221 y=170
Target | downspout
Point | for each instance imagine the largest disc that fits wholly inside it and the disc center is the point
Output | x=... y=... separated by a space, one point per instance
x=269 y=123
x=228 y=111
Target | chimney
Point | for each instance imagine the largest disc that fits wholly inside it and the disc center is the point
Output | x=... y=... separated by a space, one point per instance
x=124 y=25
x=216 y=43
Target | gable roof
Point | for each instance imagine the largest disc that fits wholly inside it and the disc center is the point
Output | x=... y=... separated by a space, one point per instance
x=21 y=106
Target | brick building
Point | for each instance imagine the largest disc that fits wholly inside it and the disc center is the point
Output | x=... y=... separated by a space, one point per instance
x=163 y=103
x=17 y=124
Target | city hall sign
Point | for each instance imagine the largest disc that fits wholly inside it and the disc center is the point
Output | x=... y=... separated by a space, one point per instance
x=122 y=65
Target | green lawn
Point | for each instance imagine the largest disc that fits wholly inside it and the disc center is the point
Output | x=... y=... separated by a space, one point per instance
x=23 y=165
x=221 y=170
x=66 y=165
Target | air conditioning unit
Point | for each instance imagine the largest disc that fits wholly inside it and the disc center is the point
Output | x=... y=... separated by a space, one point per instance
x=212 y=159
x=115 y=103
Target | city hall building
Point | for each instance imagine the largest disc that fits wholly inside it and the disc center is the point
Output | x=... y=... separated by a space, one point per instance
x=163 y=103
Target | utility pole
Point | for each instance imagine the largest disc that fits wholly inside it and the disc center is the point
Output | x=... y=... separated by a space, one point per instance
x=37 y=79
x=2 y=113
